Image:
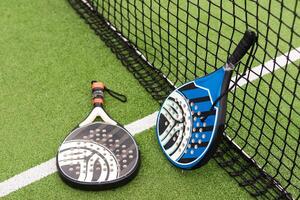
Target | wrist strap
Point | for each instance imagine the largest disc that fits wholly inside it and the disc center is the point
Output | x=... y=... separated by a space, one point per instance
x=116 y=95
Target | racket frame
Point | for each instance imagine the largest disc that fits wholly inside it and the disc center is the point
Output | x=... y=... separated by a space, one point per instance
x=98 y=111
x=244 y=45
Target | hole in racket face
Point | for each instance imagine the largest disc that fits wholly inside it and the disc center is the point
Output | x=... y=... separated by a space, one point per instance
x=182 y=134
x=98 y=154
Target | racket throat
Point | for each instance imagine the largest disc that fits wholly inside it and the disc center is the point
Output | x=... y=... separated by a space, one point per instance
x=223 y=96
x=97 y=112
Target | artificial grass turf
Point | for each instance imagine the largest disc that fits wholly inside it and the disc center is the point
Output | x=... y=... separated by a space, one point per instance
x=157 y=179
x=48 y=57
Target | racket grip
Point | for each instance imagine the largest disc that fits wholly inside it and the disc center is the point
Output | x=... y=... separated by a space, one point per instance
x=97 y=93
x=244 y=45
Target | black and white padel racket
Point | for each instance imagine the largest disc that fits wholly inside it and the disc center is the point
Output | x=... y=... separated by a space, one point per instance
x=191 y=120
x=96 y=154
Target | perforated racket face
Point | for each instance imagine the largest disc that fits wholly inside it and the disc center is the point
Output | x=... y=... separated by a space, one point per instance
x=183 y=135
x=98 y=154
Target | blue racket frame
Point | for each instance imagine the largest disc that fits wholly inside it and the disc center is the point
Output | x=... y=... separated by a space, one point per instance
x=192 y=118
x=200 y=95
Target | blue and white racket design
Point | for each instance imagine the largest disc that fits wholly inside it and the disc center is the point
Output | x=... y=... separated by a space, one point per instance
x=191 y=120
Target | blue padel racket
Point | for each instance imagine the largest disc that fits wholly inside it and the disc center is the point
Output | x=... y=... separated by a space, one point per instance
x=191 y=120
x=98 y=155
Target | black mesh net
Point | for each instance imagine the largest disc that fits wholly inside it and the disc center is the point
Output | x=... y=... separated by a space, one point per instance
x=167 y=43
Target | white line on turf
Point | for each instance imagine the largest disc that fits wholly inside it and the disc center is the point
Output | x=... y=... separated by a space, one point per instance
x=269 y=67
x=142 y=124
x=49 y=167
x=27 y=177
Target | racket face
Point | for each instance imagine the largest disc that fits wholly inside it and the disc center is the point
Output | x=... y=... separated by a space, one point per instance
x=183 y=137
x=98 y=156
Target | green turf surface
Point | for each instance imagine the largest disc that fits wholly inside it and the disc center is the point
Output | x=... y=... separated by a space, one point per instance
x=157 y=179
x=48 y=58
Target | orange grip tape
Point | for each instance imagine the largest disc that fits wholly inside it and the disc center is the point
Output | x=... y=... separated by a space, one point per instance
x=97 y=100
x=98 y=85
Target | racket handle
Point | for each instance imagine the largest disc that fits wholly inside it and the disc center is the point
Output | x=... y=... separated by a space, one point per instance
x=244 y=45
x=97 y=93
